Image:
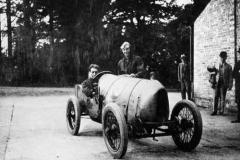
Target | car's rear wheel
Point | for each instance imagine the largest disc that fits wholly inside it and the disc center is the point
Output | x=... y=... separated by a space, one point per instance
x=115 y=131
x=189 y=123
x=73 y=115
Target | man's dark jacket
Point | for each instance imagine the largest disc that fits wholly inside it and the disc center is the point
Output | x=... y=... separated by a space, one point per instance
x=184 y=72
x=88 y=88
x=133 y=65
x=236 y=76
x=227 y=75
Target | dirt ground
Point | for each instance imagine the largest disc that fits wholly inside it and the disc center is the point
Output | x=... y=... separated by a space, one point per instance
x=34 y=91
x=33 y=127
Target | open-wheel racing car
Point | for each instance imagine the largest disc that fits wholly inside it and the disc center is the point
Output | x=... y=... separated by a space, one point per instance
x=136 y=108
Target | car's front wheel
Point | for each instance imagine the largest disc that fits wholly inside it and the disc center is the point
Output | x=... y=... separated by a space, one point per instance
x=115 y=131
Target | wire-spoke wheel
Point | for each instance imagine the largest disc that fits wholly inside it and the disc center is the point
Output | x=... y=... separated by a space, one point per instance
x=115 y=130
x=189 y=122
x=73 y=115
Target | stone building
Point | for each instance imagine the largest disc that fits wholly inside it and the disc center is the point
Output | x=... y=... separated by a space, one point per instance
x=216 y=29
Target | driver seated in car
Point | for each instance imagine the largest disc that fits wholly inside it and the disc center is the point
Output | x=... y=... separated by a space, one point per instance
x=88 y=87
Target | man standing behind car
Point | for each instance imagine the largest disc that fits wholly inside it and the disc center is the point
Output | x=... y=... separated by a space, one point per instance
x=130 y=64
x=184 y=77
x=87 y=85
x=236 y=75
x=224 y=82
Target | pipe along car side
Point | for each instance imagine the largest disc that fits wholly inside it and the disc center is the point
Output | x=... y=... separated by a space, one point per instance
x=136 y=108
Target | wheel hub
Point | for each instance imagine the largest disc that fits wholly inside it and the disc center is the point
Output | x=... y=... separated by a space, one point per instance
x=186 y=124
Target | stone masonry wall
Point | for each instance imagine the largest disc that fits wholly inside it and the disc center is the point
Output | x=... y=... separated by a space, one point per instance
x=238 y=28
x=213 y=33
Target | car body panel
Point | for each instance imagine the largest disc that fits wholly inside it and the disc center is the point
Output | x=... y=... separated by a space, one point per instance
x=137 y=97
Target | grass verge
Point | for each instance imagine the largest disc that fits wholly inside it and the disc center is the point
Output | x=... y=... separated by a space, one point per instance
x=34 y=91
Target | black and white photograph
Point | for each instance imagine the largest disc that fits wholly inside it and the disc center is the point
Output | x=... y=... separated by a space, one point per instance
x=119 y=79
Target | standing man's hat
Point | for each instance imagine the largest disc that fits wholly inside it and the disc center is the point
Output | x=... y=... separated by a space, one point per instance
x=183 y=56
x=223 y=54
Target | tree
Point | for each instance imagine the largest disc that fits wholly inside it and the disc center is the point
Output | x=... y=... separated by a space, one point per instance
x=58 y=39
x=9 y=26
x=141 y=17
x=179 y=27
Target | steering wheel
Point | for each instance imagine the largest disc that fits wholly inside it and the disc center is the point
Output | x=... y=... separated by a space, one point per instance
x=97 y=77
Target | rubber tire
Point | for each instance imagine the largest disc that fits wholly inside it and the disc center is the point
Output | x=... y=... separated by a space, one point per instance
x=123 y=130
x=77 y=109
x=197 y=134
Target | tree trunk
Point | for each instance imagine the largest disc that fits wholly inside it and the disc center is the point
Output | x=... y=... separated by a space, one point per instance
x=51 y=39
x=33 y=40
x=0 y=46
x=9 y=26
x=29 y=37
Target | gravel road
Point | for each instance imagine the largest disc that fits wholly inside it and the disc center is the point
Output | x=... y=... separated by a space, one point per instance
x=34 y=128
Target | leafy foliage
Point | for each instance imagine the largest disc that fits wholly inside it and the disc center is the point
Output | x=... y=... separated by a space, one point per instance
x=55 y=41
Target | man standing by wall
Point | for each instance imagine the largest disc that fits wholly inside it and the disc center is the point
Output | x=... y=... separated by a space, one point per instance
x=236 y=76
x=184 y=77
x=224 y=82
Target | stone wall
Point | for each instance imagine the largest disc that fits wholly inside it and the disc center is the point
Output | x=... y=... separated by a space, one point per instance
x=213 y=33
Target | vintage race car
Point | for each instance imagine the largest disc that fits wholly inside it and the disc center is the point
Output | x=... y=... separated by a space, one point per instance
x=137 y=108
